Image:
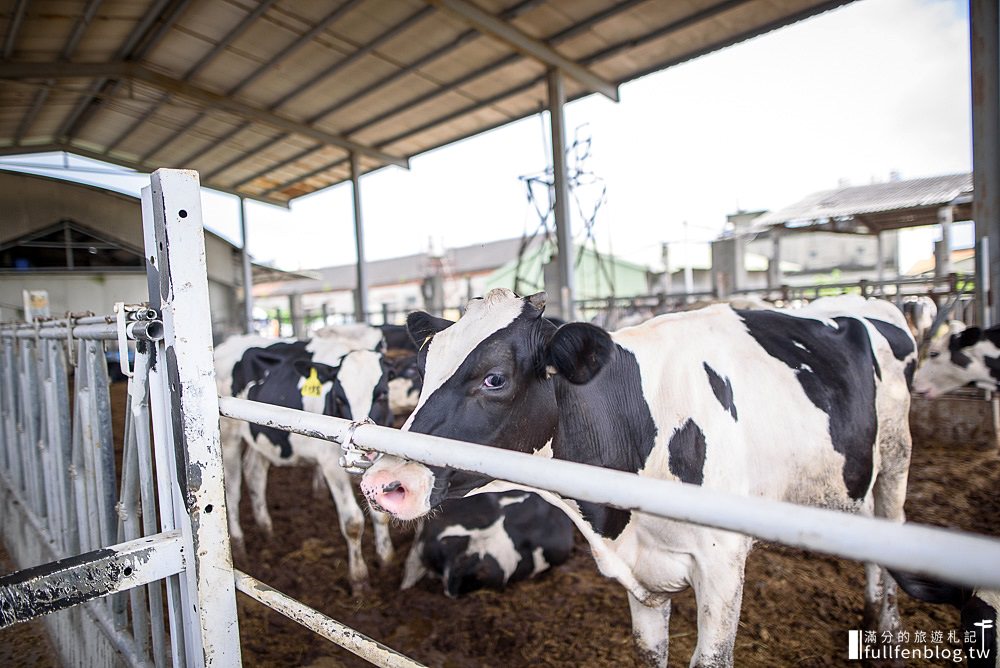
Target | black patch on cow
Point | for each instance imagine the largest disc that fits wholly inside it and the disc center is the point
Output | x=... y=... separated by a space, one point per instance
x=900 y=341
x=687 y=453
x=837 y=375
x=992 y=335
x=958 y=358
x=256 y=363
x=606 y=422
x=993 y=364
x=279 y=388
x=723 y=389
x=911 y=368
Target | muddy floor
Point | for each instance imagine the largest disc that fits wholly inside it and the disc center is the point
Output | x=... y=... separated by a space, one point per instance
x=797 y=606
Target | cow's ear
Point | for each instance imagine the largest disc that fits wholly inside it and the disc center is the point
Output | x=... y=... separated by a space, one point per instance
x=967 y=337
x=422 y=325
x=578 y=351
x=536 y=302
x=324 y=372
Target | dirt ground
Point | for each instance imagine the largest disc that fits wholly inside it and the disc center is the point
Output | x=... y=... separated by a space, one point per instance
x=797 y=606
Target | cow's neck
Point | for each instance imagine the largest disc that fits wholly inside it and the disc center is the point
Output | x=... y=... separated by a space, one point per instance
x=605 y=422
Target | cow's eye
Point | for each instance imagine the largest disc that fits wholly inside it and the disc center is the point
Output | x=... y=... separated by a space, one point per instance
x=494 y=381
x=934 y=354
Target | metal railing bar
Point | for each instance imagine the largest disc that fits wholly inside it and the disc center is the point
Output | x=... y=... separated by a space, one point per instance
x=961 y=558
x=353 y=641
x=58 y=585
x=148 y=330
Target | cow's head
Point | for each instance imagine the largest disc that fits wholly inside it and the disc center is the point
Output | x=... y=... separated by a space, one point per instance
x=968 y=356
x=358 y=385
x=489 y=378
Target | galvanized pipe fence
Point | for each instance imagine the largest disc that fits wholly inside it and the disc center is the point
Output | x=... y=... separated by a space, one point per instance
x=144 y=545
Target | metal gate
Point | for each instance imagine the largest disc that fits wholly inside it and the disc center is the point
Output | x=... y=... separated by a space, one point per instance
x=146 y=575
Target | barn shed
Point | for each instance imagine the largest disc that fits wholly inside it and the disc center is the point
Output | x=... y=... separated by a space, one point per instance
x=83 y=245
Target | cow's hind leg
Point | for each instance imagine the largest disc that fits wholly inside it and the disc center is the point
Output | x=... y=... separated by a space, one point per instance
x=890 y=495
x=651 y=631
x=352 y=522
x=255 y=467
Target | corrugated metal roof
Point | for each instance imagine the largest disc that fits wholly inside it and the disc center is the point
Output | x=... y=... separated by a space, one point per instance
x=877 y=206
x=267 y=99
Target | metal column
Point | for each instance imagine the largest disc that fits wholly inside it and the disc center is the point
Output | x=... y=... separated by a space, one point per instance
x=880 y=261
x=247 y=271
x=984 y=26
x=182 y=383
x=361 y=294
x=942 y=249
x=560 y=188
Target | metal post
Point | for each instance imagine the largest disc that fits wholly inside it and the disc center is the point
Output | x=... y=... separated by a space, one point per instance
x=984 y=27
x=247 y=271
x=208 y=590
x=774 y=266
x=880 y=261
x=361 y=294
x=942 y=250
x=560 y=193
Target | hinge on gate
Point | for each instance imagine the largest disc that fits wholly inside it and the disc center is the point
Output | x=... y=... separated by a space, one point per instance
x=356 y=459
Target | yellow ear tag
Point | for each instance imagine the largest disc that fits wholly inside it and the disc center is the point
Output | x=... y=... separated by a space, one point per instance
x=312 y=387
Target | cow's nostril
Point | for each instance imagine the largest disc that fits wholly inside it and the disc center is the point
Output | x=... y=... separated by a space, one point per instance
x=392 y=486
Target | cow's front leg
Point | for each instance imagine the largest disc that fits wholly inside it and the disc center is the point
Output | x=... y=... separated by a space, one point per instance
x=651 y=631
x=718 y=589
x=255 y=467
x=352 y=522
x=383 y=541
x=231 y=442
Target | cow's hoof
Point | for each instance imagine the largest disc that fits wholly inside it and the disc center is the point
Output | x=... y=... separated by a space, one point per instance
x=239 y=550
x=386 y=558
x=361 y=589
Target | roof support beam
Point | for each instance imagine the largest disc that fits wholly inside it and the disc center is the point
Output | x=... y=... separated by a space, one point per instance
x=138 y=42
x=130 y=70
x=529 y=46
x=350 y=59
x=223 y=43
x=268 y=66
x=13 y=27
x=566 y=34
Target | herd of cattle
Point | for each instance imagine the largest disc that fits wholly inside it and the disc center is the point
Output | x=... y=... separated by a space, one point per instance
x=809 y=406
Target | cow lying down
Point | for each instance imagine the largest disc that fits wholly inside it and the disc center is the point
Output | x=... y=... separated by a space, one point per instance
x=809 y=407
x=488 y=541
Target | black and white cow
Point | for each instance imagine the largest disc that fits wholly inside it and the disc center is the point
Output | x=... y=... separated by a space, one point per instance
x=979 y=614
x=808 y=407
x=488 y=541
x=333 y=375
x=967 y=356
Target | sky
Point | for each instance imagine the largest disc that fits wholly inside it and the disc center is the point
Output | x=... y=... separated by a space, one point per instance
x=848 y=96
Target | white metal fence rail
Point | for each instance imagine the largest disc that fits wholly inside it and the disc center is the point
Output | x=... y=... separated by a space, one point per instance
x=168 y=519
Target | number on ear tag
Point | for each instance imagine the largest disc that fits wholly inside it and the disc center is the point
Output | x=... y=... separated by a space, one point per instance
x=312 y=387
